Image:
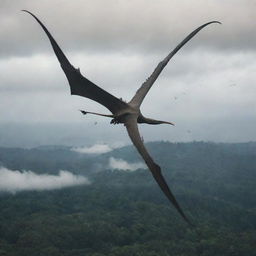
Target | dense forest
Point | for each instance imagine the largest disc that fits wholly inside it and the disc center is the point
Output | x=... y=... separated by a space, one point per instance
x=124 y=213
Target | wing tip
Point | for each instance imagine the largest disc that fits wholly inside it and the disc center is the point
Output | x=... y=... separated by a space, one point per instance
x=23 y=10
x=215 y=21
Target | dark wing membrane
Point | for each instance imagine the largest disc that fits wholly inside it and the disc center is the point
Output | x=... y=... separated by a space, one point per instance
x=133 y=131
x=80 y=85
x=143 y=90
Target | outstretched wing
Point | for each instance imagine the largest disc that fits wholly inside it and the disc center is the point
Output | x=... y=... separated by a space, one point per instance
x=133 y=131
x=143 y=90
x=79 y=85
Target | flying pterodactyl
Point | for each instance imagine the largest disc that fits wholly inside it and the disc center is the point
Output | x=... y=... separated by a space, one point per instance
x=127 y=113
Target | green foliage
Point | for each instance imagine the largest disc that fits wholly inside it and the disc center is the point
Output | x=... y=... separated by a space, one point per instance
x=124 y=213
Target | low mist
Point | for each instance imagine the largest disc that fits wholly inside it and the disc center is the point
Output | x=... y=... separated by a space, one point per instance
x=120 y=164
x=95 y=149
x=14 y=181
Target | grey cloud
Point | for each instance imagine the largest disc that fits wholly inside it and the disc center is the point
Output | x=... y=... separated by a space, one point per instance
x=130 y=26
x=117 y=46
x=31 y=74
x=187 y=90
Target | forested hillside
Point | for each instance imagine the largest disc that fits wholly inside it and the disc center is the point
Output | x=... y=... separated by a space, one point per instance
x=124 y=212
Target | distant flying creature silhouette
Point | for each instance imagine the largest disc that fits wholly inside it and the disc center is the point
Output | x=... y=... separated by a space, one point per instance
x=127 y=113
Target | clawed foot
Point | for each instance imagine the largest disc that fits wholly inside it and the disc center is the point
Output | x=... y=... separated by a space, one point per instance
x=114 y=121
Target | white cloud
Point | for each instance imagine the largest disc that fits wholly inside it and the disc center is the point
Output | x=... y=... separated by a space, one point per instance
x=121 y=164
x=109 y=27
x=95 y=149
x=14 y=181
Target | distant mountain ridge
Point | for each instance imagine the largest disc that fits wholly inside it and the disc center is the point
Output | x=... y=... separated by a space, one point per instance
x=169 y=155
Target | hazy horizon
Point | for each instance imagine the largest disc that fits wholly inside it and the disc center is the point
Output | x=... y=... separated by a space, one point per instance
x=75 y=135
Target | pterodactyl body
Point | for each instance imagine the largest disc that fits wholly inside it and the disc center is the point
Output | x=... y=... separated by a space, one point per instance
x=127 y=113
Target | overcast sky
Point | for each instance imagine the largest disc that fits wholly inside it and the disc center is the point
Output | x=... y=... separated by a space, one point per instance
x=208 y=89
